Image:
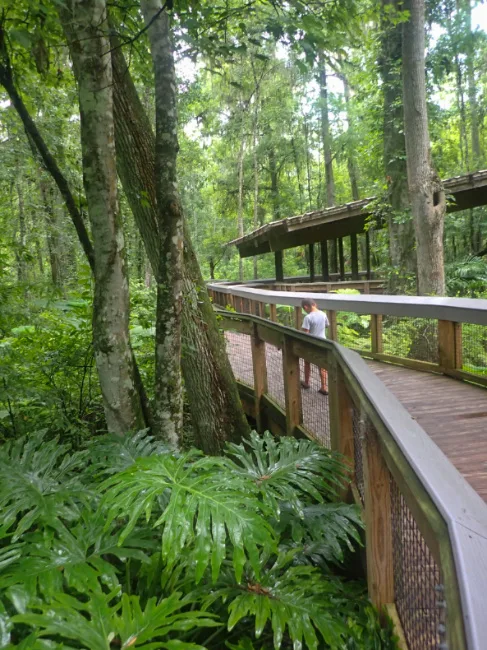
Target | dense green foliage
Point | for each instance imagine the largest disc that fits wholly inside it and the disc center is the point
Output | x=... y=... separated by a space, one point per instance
x=122 y=543
x=248 y=79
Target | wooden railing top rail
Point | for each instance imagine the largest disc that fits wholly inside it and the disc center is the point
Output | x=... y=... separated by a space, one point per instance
x=462 y=509
x=460 y=310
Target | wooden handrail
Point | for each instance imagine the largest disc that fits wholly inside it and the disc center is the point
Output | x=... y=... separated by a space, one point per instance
x=448 y=313
x=398 y=458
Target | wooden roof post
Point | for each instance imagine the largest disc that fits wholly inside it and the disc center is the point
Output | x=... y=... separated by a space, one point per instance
x=278 y=256
x=325 y=271
x=334 y=256
x=354 y=255
x=342 y=259
x=311 y=262
x=367 y=254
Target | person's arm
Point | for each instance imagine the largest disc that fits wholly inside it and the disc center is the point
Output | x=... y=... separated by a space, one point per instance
x=305 y=325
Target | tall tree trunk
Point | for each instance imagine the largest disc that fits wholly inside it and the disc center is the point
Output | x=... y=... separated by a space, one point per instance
x=206 y=369
x=168 y=400
x=276 y=207
x=464 y=148
x=255 y=126
x=326 y=137
x=297 y=167
x=51 y=166
x=425 y=189
x=53 y=243
x=21 y=244
x=240 y=222
x=90 y=52
x=472 y=89
x=401 y=232
x=308 y=164
x=6 y=79
x=351 y=163
x=327 y=155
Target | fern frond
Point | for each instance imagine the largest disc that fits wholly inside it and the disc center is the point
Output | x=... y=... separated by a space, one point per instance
x=208 y=505
x=295 y=471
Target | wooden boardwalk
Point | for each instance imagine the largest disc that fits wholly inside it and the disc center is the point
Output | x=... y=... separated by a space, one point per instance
x=452 y=412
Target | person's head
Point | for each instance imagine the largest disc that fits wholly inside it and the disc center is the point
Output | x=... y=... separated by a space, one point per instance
x=307 y=304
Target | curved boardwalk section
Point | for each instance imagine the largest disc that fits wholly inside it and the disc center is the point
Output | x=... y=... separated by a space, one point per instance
x=453 y=413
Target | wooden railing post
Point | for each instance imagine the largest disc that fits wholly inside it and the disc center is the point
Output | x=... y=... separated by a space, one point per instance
x=341 y=420
x=260 y=374
x=376 y=333
x=292 y=387
x=298 y=317
x=273 y=313
x=378 y=528
x=449 y=344
x=332 y=329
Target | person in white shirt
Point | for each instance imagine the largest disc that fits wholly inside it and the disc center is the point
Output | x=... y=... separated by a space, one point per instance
x=315 y=323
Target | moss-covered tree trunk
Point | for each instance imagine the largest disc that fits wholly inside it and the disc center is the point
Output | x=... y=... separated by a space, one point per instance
x=168 y=400
x=401 y=229
x=217 y=415
x=114 y=359
x=426 y=193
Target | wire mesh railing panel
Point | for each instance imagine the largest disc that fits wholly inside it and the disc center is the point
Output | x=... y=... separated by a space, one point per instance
x=359 y=425
x=410 y=338
x=316 y=415
x=353 y=330
x=239 y=352
x=275 y=379
x=418 y=589
x=474 y=349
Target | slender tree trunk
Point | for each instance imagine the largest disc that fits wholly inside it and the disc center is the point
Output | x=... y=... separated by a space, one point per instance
x=168 y=401
x=326 y=137
x=240 y=222
x=276 y=207
x=256 y=173
x=464 y=148
x=308 y=165
x=217 y=414
x=6 y=79
x=401 y=234
x=472 y=89
x=425 y=189
x=351 y=164
x=51 y=166
x=21 y=244
x=53 y=243
x=327 y=155
x=113 y=354
x=297 y=167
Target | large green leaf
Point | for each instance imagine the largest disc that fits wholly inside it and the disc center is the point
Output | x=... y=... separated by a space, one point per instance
x=111 y=453
x=293 y=600
x=325 y=532
x=295 y=471
x=101 y=621
x=207 y=504
x=39 y=480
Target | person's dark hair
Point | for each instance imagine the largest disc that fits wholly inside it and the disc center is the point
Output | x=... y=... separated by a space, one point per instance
x=307 y=302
